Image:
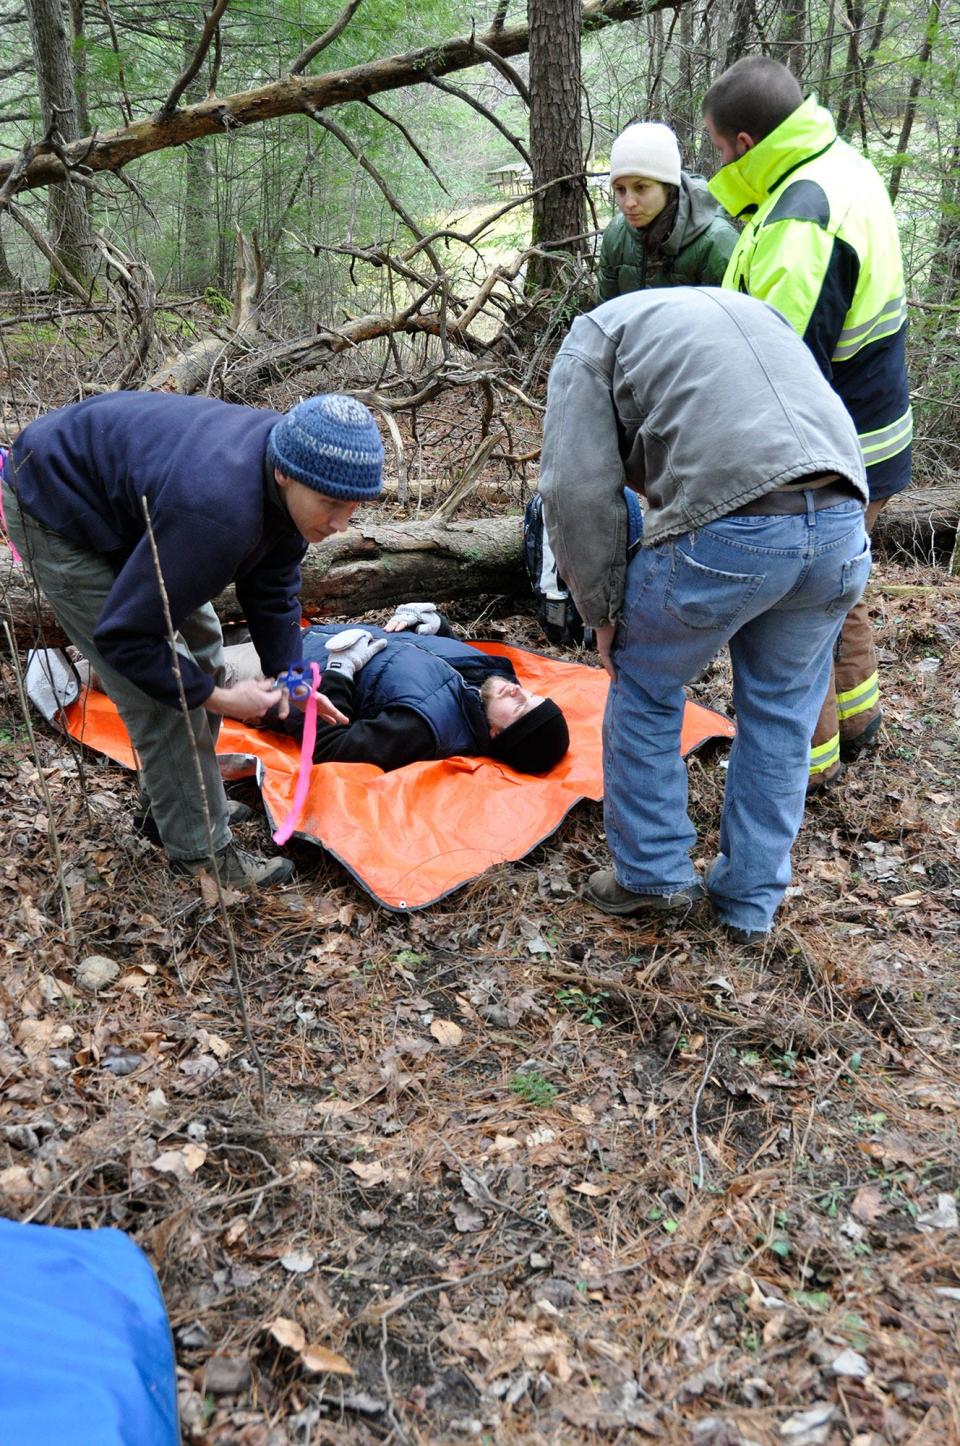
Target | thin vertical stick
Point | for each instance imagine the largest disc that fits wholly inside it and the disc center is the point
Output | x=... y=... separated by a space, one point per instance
x=201 y=788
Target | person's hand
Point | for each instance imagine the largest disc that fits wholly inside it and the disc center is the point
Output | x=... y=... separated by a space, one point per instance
x=248 y=700
x=605 y=636
x=349 y=651
x=418 y=617
x=328 y=711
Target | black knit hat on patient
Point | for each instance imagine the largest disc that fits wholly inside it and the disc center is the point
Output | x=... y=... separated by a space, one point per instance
x=330 y=443
x=535 y=742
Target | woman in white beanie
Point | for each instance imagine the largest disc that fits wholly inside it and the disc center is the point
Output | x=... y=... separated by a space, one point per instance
x=670 y=230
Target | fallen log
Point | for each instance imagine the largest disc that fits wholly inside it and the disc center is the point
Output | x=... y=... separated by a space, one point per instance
x=371 y=565
x=377 y=564
x=191 y=370
x=919 y=525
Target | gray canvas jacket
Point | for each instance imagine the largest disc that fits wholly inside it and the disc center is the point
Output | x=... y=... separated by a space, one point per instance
x=701 y=399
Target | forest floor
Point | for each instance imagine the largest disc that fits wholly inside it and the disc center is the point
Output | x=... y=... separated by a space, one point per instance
x=521 y=1173
x=516 y=1172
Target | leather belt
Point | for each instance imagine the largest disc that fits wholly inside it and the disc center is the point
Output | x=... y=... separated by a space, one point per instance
x=788 y=502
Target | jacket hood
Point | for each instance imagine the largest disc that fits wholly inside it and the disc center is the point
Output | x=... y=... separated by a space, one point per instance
x=746 y=182
x=696 y=209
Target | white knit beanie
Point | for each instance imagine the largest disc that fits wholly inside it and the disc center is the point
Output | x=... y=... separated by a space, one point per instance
x=646 y=149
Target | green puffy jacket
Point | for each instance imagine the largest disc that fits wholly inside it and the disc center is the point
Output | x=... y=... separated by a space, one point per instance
x=695 y=253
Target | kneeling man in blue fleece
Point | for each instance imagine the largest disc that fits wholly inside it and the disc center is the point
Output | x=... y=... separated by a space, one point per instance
x=708 y=403
x=107 y=496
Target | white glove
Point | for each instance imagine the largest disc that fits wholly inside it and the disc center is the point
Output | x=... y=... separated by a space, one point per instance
x=347 y=652
x=418 y=617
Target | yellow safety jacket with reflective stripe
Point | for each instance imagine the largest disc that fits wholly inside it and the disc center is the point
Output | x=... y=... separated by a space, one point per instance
x=820 y=243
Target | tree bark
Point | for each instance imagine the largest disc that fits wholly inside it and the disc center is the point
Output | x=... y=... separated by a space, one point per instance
x=197 y=251
x=945 y=270
x=555 y=144
x=372 y=565
x=909 y=116
x=7 y=278
x=377 y=564
x=295 y=96
x=67 y=217
x=790 y=47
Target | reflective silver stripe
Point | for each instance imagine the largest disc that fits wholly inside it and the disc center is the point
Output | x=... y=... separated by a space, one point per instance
x=886 y=441
x=860 y=699
x=888 y=320
x=825 y=755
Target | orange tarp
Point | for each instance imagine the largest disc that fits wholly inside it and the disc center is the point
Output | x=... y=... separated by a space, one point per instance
x=412 y=836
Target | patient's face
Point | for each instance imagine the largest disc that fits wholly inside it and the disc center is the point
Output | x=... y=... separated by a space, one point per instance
x=504 y=701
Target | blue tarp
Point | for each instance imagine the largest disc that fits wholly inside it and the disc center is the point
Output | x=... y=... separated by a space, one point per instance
x=86 y=1356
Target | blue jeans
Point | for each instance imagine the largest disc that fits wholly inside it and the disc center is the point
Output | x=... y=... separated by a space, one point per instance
x=776 y=590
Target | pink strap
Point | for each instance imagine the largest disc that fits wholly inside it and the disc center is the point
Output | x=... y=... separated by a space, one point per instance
x=3 y=521
x=306 y=762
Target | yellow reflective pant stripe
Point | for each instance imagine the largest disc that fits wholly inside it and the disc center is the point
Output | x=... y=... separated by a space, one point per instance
x=887 y=441
x=888 y=319
x=864 y=696
x=825 y=755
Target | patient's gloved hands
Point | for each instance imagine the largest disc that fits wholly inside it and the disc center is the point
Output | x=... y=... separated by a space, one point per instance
x=418 y=617
x=347 y=652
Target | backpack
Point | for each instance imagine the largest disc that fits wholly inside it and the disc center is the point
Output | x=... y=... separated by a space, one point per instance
x=556 y=609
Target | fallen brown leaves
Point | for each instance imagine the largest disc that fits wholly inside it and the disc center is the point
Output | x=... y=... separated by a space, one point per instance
x=524 y=1173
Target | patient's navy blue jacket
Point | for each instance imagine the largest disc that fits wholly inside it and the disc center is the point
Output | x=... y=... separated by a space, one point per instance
x=215 y=512
x=416 y=700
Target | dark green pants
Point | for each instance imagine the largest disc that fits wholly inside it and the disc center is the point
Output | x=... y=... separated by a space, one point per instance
x=76 y=584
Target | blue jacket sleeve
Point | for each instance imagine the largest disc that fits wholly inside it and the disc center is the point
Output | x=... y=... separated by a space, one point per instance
x=270 y=598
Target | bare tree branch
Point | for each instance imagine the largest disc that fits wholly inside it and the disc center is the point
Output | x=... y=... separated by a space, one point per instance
x=299 y=95
x=43 y=246
x=139 y=294
x=327 y=38
x=478 y=230
x=506 y=70
x=125 y=106
x=481 y=109
x=203 y=45
x=421 y=156
x=375 y=256
x=371 y=170
x=21 y=66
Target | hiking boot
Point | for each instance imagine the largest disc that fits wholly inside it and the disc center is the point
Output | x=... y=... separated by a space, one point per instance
x=751 y=938
x=865 y=742
x=238 y=869
x=144 y=822
x=603 y=891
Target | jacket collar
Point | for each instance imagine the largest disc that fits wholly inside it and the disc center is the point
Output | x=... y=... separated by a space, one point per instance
x=745 y=183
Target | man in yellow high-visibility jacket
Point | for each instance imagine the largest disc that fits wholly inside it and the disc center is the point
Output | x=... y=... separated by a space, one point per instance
x=820 y=243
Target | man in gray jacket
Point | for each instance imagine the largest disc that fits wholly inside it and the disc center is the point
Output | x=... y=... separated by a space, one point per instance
x=708 y=403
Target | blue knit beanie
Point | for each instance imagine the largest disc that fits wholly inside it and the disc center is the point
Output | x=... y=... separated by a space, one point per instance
x=330 y=443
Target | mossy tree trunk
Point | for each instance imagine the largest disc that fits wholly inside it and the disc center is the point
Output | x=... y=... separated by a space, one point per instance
x=68 y=218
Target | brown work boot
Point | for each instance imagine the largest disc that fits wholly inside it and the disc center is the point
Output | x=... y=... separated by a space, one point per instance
x=863 y=742
x=238 y=869
x=823 y=783
x=604 y=892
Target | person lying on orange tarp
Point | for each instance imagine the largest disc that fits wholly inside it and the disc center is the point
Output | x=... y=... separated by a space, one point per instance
x=413 y=835
x=413 y=693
